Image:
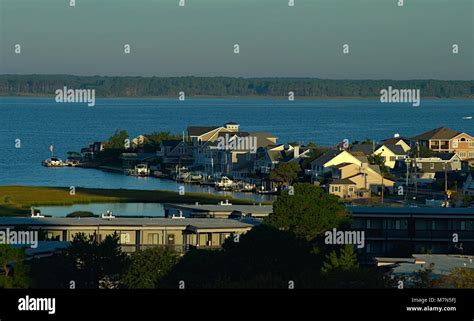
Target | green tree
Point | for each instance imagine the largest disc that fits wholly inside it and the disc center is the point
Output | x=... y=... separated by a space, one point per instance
x=13 y=270
x=458 y=278
x=148 y=267
x=156 y=138
x=285 y=173
x=89 y=261
x=421 y=151
x=315 y=152
x=423 y=278
x=378 y=160
x=307 y=212
x=343 y=260
x=117 y=140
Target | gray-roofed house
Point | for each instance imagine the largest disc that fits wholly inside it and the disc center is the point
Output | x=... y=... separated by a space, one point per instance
x=390 y=154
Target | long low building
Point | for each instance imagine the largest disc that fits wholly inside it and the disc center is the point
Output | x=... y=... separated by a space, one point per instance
x=406 y=230
x=135 y=233
x=221 y=210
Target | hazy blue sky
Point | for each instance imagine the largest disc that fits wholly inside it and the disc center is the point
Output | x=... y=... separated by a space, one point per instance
x=386 y=41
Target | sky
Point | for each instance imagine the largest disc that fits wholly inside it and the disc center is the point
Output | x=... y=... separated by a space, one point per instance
x=385 y=41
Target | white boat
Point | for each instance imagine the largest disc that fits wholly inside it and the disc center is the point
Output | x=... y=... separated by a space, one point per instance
x=224 y=183
x=467 y=117
x=142 y=170
x=138 y=170
x=193 y=178
x=245 y=187
x=53 y=162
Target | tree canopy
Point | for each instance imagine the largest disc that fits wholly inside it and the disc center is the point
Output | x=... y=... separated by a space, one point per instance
x=308 y=212
x=14 y=85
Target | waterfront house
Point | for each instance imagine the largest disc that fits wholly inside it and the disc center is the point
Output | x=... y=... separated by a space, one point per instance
x=130 y=160
x=90 y=152
x=448 y=141
x=390 y=154
x=175 y=152
x=227 y=152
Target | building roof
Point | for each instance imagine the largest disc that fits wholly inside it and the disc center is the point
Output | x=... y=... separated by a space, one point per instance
x=257 y=209
x=408 y=211
x=344 y=181
x=367 y=149
x=119 y=221
x=326 y=157
x=443 y=263
x=396 y=149
x=170 y=143
x=200 y=130
x=395 y=140
x=444 y=156
x=437 y=133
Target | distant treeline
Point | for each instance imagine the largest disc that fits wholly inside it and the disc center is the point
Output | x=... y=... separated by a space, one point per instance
x=22 y=85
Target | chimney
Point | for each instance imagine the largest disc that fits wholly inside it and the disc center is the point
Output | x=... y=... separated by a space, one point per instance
x=296 y=151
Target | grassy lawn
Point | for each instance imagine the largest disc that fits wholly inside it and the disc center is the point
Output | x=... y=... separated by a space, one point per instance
x=17 y=200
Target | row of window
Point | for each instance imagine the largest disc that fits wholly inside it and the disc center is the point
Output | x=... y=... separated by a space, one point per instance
x=420 y=224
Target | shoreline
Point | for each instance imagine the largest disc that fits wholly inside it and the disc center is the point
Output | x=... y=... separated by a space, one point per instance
x=17 y=200
x=244 y=97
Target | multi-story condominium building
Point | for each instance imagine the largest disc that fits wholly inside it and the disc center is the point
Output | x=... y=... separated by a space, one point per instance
x=135 y=233
x=397 y=231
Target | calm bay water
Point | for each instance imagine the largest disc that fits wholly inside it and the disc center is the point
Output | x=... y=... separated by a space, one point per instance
x=40 y=122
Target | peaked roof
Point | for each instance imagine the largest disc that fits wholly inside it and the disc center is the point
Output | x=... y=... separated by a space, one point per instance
x=170 y=143
x=444 y=156
x=344 y=181
x=396 y=149
x=200 y=130
x=326 y=157
x=367 y=149
x=437 y=133
x=395 y=140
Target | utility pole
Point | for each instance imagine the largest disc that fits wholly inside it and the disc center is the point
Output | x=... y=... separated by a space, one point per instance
x=407 y=162
x=416 y=178
x=445 y=184
x=383 y=188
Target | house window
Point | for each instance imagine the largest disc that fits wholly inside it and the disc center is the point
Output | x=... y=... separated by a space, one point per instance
x=432 y=166
x=124 y=238
x=153 y=238
x=170 y=239
x=392 y=158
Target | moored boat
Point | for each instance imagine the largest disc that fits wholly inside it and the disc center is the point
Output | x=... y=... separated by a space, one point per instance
x=53 y=162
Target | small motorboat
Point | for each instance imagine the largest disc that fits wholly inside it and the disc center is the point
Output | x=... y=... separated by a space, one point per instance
x=53 y=162
x=225 y=183
x=467 y=117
